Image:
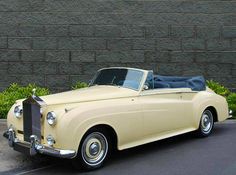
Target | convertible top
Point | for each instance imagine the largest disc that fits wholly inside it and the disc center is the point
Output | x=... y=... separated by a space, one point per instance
x=196 y=83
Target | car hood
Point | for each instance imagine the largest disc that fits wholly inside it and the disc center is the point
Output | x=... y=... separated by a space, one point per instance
x=93 y=93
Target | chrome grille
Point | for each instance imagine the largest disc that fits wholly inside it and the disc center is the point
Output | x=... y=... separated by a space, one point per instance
x=31 y=118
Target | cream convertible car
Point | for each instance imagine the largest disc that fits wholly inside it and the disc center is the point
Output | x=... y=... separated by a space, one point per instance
x=122 y=108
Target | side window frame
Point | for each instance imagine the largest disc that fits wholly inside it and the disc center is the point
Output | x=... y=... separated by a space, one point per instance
x=150 y=80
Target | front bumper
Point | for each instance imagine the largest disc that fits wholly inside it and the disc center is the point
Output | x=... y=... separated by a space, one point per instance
x=35 y=147
x=230 y=113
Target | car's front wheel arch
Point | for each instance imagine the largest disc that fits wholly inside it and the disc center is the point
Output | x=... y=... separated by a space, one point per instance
x=106 y=138
x=109 y=130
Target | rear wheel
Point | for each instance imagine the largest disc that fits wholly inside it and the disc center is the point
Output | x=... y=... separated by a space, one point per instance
x=206 y=124
x=93 y=151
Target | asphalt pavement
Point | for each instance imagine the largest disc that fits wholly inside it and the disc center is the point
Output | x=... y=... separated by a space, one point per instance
x=181 y=155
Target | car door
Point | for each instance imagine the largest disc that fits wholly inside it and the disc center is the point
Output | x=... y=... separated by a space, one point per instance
x=165 y=111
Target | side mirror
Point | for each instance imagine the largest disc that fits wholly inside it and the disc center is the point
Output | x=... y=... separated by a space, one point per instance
x=145 y=87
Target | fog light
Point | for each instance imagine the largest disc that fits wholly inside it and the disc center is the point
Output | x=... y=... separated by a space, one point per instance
x=50 y=140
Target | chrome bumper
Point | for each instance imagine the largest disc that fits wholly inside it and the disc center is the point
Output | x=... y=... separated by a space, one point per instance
x=230 y=113
x=34 y=147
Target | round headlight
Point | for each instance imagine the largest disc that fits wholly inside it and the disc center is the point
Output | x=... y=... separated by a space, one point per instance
x=51 y=118
x=18 y=110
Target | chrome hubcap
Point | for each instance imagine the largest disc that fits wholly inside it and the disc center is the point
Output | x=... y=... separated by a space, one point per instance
x=207 y=121
x=94 y=148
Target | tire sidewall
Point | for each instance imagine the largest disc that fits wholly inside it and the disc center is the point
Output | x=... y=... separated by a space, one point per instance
x=80 y=163
x=201 y=132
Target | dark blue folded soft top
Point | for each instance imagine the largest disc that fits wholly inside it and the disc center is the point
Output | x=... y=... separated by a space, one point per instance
x=196 y=83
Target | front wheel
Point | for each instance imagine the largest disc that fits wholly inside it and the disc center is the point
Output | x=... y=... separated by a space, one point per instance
x=206 y=124
x=93 y=151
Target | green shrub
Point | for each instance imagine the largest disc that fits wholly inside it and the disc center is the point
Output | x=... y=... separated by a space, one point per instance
x=15 y=92
x=79 y=85
x=218 y=88
x=231 y=99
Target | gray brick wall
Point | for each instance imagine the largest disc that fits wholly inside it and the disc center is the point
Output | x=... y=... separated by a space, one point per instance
x=54 y=43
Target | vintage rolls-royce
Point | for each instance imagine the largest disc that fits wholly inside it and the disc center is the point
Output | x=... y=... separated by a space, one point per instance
x=121 y=108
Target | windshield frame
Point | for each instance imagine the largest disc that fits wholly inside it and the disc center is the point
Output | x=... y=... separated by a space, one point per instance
x=144 y=74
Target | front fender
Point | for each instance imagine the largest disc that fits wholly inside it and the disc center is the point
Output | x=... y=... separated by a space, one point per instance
x=119 y=114
x=75 y=123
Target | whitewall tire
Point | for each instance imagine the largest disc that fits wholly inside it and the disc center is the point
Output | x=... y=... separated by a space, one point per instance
x=93 y=150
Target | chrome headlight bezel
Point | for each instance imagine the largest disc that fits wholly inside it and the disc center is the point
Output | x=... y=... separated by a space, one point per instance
x=18 y=111
x=51 y=118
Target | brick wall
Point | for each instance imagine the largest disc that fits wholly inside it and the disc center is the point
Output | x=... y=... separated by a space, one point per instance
x=54 y=43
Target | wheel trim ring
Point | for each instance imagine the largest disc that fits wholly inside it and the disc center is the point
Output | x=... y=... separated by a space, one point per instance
x=206 y=122
x=101 y=153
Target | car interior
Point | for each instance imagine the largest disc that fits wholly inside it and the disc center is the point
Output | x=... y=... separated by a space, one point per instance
x=196 y=83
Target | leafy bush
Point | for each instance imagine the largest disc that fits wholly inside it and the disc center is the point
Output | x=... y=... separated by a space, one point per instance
x=218 y=88
x=15 y=92
x=79 y=85
x=232 y=103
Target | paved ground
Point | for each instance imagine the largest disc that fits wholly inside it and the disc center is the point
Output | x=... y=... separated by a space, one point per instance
x=13 y=161
x=182 y=155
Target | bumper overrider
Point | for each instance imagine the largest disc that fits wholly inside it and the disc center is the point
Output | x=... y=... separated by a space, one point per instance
x=230 y=113
x=33 y=147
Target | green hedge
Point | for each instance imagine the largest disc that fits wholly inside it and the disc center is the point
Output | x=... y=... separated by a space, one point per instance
x=15 y=92
x=79 y=85
x=231 y=99
x=218 y=88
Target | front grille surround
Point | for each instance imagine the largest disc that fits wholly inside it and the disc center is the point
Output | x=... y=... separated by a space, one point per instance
x=32 y=118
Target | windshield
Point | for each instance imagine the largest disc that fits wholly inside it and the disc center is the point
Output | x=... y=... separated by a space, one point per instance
x=127 y=78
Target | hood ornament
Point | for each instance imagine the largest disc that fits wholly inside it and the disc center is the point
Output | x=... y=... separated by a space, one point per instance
x=34 y=91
